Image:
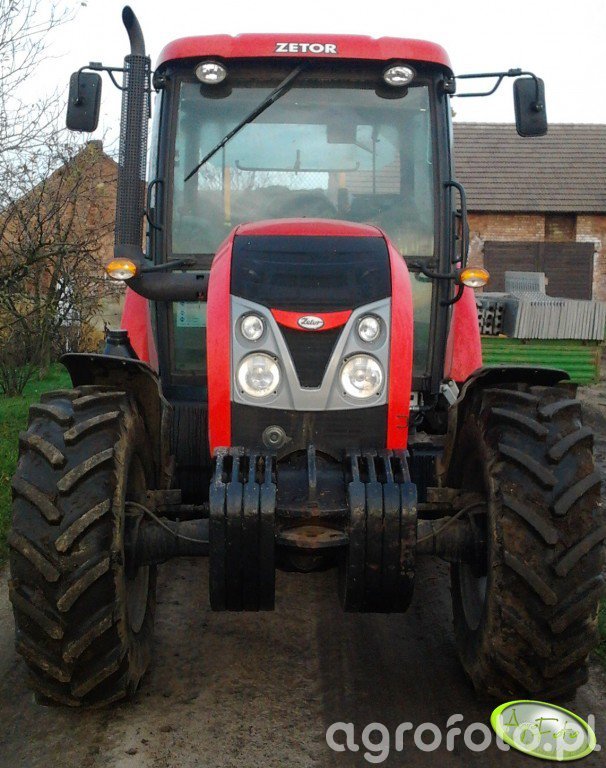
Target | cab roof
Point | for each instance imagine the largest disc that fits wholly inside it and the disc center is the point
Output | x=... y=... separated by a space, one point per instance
x=304 y=46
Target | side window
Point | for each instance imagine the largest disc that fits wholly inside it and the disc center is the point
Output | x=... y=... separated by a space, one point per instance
x=422 y=293
x=189 y=338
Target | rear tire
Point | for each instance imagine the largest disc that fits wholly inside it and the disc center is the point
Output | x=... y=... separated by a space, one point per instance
x=526 y=621
x=84 y=623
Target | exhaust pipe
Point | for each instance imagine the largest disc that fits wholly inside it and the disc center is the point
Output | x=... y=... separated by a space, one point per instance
x=130 y=201
x=135 y=34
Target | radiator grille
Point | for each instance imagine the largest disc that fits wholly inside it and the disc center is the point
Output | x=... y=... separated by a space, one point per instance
x=310 y=352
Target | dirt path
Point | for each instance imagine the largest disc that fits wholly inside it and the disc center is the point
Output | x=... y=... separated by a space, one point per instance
x=260 y=690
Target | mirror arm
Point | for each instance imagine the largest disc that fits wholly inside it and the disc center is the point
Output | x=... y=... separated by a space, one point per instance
x=457 y=297
x=168 y=266
x=417 y=266
x=452 y=276
x=96 y=66
x=500 y=76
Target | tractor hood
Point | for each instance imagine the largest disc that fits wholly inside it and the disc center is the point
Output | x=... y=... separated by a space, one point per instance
x=308 y=284
x=309 y=228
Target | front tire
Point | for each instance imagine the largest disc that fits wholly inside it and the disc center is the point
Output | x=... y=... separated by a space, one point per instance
x=84 y=620
x=526 y=619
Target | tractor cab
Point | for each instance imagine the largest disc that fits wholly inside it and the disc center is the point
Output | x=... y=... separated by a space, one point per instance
x=339 y=129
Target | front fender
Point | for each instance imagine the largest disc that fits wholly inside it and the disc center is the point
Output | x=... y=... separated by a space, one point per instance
x=489 y=376
x=139 y=380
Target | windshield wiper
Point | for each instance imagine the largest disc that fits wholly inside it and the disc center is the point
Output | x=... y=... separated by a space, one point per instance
x=277 y=93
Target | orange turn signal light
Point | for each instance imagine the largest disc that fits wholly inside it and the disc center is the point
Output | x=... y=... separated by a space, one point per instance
x=474 y=277
x=121 y=269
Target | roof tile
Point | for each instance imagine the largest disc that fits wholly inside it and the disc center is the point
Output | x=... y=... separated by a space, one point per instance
x=564 y=171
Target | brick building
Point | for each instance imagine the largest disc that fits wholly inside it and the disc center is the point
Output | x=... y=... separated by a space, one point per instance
x=537 y=204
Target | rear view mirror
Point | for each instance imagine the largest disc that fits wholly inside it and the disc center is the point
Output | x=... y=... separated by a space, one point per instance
x=529 y=103
x=84 y=102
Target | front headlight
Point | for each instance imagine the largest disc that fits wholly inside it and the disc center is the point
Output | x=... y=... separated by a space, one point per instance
x=398 y=75
x=211 y=72
x=259 y=375
x=369 y=328
x=362 y=376
x=252 y=327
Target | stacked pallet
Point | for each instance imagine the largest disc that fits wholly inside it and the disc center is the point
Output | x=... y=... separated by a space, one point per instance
x=559 y=319
x=524 y=311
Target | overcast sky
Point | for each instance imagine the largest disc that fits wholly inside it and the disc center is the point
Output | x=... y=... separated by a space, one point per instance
x=562 y=42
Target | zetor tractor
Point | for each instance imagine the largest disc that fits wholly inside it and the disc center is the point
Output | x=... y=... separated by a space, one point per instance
x=298 y=380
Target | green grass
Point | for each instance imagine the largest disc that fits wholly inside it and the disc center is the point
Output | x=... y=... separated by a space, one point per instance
x=13 y=418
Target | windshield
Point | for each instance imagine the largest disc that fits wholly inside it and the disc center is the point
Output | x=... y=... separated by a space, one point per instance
x=337 y=145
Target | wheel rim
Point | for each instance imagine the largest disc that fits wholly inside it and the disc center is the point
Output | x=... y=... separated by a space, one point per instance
x=473 y=595
x=472 y=581
x=137 y=590
x=137 y=583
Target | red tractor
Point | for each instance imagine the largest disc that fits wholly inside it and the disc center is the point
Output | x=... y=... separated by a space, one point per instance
x=298 y=382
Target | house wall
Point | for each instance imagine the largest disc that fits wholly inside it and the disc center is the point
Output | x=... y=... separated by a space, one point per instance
x=103 y=173
x=532 y=228
x=592 y=228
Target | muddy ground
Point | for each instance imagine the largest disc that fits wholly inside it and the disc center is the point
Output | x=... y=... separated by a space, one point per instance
x=250 y=690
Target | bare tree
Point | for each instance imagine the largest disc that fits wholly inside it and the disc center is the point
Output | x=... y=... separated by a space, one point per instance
x=24 y=126
x=52 y=236
x=56 y=204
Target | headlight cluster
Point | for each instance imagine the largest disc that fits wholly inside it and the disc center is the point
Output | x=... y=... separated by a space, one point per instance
x=362 y=376
x=259 y=375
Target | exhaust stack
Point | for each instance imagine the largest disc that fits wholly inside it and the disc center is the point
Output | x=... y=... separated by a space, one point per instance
x=130 y=202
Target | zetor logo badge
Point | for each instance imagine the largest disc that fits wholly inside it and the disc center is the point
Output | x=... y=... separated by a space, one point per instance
x=310 y=323
x=306 y=48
